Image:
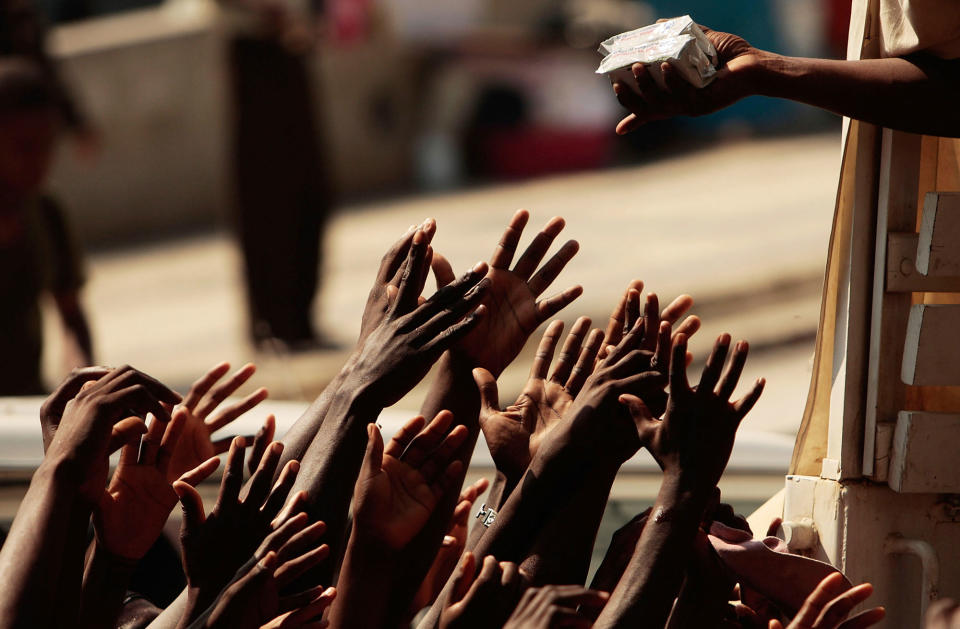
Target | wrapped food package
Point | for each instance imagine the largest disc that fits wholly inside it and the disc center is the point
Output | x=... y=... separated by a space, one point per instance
x=679 y=41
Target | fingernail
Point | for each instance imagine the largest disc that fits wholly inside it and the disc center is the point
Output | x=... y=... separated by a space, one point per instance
x=479 y=266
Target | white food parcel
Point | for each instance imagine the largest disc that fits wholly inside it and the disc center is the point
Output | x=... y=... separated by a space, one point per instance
x=679 y=41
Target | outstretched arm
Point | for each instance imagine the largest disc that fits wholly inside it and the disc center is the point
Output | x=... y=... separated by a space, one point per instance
x=914 y=93
x=692 y=442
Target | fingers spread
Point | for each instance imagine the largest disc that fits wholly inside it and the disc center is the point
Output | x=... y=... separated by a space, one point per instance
x=570 y=351
x=535 y=251
x=404 y=436
x=544 y=356
x=507 y=247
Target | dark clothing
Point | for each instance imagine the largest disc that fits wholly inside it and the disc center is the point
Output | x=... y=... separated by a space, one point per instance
x=23 y=33
x=37 y=255
x=282 y=192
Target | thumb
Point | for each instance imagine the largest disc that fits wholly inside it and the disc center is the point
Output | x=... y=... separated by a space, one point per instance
x=442 y=270
x=126 y=431
x=373 y=459
x=489 y=396
x=774 y=624
x=639 y=412
x=191 y=504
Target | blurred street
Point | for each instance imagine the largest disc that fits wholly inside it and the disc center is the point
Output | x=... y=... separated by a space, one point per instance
x=742 y=226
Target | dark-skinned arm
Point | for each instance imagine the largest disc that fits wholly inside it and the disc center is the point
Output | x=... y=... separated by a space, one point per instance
x=397 y=490
x=393 y=358
x=912 y=93
x=514 y=313
x=692 y=442
x=72 y=476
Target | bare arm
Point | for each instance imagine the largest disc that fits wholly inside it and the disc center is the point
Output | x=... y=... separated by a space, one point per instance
x=914 y=93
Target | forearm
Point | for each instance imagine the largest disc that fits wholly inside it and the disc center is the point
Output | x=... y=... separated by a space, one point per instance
x=564 y=548
x=646 y=592
x=454 y=390
x=329 y=470
x=298 y=439
x=367 y=577
x=31 y=558
x=105 y=583
x=916 y=95
x=69 y=591
x=495 y=498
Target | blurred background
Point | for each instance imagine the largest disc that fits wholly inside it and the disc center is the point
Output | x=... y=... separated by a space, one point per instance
x=241 y=154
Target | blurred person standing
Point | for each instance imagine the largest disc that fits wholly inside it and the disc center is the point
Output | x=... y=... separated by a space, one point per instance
x=283 y=196
x=23 y=32
x=37 y=253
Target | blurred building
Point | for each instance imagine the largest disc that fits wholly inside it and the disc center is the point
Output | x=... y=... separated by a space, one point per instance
x=414 y=94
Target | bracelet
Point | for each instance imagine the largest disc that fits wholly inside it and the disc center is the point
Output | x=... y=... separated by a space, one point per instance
x=486 y=515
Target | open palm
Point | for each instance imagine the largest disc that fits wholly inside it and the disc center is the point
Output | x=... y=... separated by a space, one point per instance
x=400 y=486
x=513 y=309
x=514 y=433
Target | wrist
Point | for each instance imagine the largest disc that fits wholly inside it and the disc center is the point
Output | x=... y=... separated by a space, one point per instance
x=770 y=74
x=679 y=488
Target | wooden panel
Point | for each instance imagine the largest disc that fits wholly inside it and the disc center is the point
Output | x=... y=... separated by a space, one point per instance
x=923 y=458
x=896 y=213
x=930 y=355
x=938 y=250
x=902 y=274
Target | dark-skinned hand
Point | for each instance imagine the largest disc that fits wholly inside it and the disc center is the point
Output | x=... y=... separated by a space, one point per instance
x=648 y=102
x=694 y=439
x=135 y=506
x=514 y=434
x=514 y=310
x=399 y=486
x=196 y=444
x=104 y=415
x=597 y=426
x=387 y=284
x=216 y=545
x=633 y=306
x=411 y=335
x=254 y=599
x=51 y=411
x=485 y=599
x=555 y=606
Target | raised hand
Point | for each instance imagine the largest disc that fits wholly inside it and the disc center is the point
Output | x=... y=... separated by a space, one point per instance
x=400 y=486
x=734 y=80
x=830 y=603
x=631 y=308
x=196 y=443
x=409 y=337
x=485 y=599
x=215 y=546
x=253 y=597
x=514 y=433
x=555 y=606
x=132 y=511
x=451 y=549
x=694 y=439
x=387 y=284
x=105 y=414
x=514 y=310
x=51 y=411
x=596 y=425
